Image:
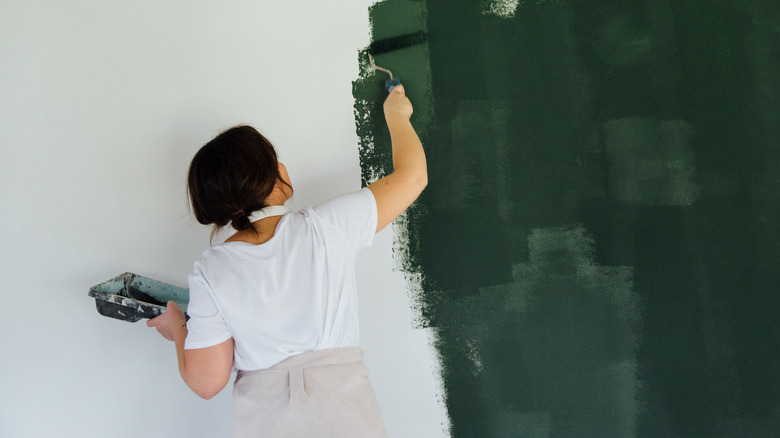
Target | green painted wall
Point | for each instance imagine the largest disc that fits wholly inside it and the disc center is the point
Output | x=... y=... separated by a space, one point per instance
x=598 y=250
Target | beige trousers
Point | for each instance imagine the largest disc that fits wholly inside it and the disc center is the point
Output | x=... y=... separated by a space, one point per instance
x=324 y=393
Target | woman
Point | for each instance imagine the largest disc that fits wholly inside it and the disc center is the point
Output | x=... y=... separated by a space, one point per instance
x=277 y=300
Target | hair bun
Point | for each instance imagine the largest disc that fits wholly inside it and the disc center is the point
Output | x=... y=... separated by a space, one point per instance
x=240 y=221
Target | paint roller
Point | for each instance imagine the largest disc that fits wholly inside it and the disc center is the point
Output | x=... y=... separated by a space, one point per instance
x=390 y=44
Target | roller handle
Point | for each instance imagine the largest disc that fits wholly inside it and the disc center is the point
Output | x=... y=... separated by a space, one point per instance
x=390 y=83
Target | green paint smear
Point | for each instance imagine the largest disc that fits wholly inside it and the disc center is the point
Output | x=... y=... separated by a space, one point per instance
x=598 y=249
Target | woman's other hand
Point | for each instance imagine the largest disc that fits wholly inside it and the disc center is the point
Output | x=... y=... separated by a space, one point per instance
x=170 y=321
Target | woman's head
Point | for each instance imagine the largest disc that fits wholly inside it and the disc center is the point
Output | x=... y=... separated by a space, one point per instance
x=232 y=176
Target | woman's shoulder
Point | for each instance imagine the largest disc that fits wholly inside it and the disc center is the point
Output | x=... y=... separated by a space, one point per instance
x=353 y=215
x=351 y=202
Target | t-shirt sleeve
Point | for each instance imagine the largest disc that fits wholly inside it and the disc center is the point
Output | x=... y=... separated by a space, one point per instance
x=206 y=326
x=354 y=215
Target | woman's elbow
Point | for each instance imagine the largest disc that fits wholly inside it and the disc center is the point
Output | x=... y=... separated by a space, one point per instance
x=208 y=391
x=421 y=182
x=206 y=371
x=418 y=179
x=207 y=395
x=206 y=384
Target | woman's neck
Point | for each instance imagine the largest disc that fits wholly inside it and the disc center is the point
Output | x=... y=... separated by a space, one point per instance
x=262 y=231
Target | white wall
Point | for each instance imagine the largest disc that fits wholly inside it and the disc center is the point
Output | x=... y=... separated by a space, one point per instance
x=102 y=105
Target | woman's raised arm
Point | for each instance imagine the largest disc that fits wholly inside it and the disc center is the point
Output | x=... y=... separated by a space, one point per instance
x=395 y=192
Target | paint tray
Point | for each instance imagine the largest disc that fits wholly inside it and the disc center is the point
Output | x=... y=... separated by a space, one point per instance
x=131 y=297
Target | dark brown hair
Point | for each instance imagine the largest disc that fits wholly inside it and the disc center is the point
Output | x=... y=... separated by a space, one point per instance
x=231 y=176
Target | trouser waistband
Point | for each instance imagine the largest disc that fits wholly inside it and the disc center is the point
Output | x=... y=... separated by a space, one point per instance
x=317 y=358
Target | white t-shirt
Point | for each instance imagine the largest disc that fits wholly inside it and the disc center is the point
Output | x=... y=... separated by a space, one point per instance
x=292 y=294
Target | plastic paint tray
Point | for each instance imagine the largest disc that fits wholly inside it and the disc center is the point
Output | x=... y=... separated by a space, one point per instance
x=131 y=297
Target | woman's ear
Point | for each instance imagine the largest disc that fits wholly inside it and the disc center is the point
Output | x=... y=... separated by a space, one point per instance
x=283 y=183
x=283 y=173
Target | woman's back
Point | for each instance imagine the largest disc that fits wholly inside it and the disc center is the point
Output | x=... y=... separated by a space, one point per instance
x=292 y=294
